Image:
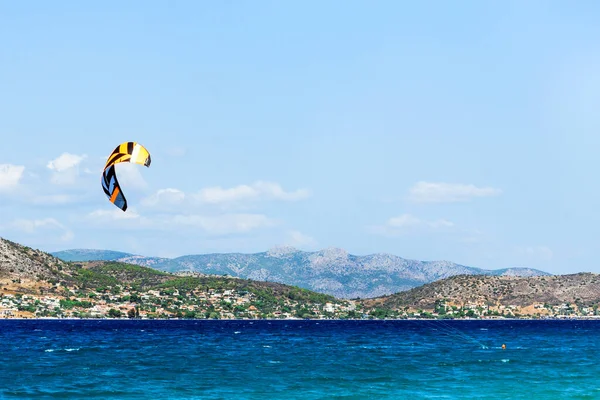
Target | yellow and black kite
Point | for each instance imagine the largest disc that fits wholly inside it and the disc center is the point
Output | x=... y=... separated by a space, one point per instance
x=131 y=152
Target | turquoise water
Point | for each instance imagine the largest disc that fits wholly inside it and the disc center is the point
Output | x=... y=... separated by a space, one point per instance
x=119 y=359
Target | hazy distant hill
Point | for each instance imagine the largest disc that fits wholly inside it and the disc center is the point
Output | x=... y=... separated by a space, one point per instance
x=107 y=255
x=90 y=255
x=332 y=271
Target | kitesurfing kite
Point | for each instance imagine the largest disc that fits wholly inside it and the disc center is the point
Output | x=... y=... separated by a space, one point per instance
x=131 y=152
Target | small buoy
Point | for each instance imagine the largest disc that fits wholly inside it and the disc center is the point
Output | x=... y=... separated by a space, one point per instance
x=503 y=346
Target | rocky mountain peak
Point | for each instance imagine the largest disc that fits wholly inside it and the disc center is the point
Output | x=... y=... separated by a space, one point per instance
x=281 y=251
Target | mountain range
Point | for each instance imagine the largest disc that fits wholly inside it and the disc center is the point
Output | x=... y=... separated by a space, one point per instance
x=331 y=271
x=37 y=284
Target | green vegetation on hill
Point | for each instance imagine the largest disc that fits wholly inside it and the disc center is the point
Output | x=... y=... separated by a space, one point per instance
x=34 y=283
x=140 y=278
x=88 y=288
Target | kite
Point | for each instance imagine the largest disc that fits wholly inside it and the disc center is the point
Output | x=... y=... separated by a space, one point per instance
x=131 y=152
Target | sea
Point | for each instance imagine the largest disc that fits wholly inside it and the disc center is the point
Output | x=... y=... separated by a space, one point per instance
x=299 y=359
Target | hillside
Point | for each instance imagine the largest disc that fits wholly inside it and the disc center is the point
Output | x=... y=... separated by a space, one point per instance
x=332 y=271
x=34 y=283
x=27 y=268
x=526 y=295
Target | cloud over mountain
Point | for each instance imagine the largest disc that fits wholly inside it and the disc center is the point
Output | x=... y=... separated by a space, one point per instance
x=439 y=192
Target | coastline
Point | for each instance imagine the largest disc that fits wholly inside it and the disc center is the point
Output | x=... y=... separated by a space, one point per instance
x=565 y=318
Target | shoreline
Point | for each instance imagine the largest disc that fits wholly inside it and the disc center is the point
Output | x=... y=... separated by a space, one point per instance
x=578 y=318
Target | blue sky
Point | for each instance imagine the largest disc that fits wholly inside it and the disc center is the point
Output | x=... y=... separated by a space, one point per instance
x=467 y=131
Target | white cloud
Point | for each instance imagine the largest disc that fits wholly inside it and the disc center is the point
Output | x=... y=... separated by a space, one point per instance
x=130 y=176
x=257 y=191
x=65 y=161
x=65 y=168
x=472 y=237
x=441 y=223
x=409 y=223
x=408 y=220
x=537 y=252
x=33 y=226
x=299 y=239
x=68 y=177
x=67 y=236
x=10 y=175
x=223 y=224
x=119 y=221
x=404 y=220
x=53 y=199
x=438 y=192
x=114 y=214
x=209 y=224
x=235 y=197
x=166 y=197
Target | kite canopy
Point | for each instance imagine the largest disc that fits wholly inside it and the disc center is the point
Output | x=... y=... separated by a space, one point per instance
x=131 y=152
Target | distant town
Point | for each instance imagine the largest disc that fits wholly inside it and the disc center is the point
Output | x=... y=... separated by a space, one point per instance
x=123 y=302
x=35 y=284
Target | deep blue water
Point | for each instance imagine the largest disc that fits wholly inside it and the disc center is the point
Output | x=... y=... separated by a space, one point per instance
x=120 y=359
